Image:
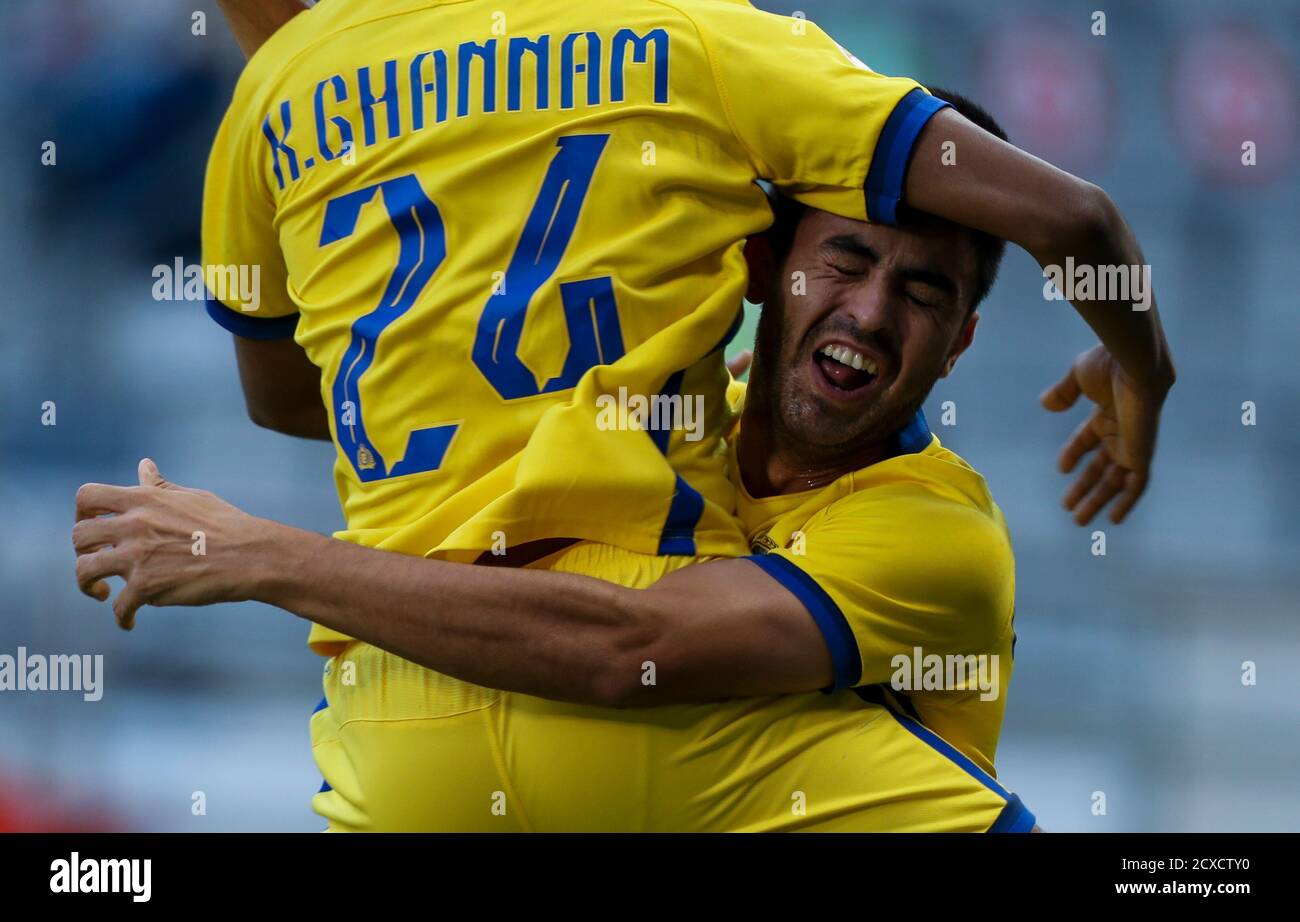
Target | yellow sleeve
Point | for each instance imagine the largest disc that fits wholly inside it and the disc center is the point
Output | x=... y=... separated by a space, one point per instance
x=897 y=567
x=243 y=265
x=818 y=123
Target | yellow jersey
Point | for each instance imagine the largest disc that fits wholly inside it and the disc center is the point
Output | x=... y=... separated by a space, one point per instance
x=907 y=568
x=403 y=748
x=510 y=236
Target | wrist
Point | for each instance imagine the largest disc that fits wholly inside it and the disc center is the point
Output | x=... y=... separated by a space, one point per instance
x=1153 y=377
x=277 y=557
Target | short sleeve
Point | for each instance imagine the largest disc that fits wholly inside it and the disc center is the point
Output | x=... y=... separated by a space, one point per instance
x=243 y=266
x=888 y=570
x=819 y=124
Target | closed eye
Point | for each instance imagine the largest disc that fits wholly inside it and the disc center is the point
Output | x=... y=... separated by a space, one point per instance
x=853 y=272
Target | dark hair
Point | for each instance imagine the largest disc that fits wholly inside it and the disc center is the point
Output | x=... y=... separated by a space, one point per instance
x=988 y=249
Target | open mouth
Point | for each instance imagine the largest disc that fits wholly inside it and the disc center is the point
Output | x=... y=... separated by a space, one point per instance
x=844 y=369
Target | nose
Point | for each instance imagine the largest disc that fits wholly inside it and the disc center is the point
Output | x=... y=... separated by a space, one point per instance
x=872 y=306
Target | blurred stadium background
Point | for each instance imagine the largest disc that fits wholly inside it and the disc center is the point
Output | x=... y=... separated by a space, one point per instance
x=1129 y=666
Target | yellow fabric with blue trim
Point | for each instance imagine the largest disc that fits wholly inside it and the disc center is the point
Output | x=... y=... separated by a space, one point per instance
x=907 y=568
x=480 y=220
x=403 y=748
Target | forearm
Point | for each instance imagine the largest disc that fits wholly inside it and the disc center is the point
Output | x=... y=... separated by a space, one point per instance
x=254 y=21
x=718 y=629
x=997 y=188
x=1130 y=329
x=553 y=635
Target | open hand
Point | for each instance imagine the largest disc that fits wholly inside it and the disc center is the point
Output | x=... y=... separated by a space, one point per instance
x=1121 y=430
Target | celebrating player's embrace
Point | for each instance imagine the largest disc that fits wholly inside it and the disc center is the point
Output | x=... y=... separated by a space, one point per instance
x=481 y=223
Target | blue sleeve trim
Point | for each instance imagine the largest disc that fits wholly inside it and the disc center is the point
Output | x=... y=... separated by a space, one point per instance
x=1015 y=817
x=677 y=537
x=687 y=506
x=251 y=327
x=678 y=534
x=846 y=661
x=894 y=152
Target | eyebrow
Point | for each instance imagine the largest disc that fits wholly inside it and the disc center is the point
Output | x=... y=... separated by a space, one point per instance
x=853 y=246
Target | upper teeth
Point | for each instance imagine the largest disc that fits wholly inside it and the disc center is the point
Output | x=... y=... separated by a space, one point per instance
x=846 y=356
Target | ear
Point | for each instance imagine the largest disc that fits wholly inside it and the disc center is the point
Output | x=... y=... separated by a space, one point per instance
x=964 y=339
x=762 y=263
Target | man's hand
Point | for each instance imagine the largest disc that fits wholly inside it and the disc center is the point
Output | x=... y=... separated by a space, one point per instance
x=1122 y=430
x=740 y=364
x=173 y=545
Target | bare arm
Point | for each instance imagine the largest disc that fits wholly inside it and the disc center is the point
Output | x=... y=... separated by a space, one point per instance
x=712 y=630
x=281 y=387
x=254 y=21
x=1000 y=189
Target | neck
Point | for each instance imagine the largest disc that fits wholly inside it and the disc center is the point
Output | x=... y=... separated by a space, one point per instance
x=771 y=463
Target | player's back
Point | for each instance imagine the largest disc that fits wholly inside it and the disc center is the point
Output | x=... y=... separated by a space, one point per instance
x=510 y=235
x=504 y=224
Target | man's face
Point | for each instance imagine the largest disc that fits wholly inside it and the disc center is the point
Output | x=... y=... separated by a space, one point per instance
x=882 y=315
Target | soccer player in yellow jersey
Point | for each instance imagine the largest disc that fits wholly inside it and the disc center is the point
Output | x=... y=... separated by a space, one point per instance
x=664 y=117
x=477 y=221
x=872 y=542
x=861 y=565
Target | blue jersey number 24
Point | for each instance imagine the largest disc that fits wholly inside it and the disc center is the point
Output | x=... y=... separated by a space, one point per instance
x=590 y=313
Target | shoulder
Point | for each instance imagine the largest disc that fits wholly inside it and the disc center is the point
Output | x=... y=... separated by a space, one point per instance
x=936 y=480
x=925 y=518
x=721 y=18
x=264 y=71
